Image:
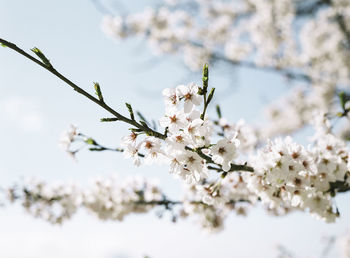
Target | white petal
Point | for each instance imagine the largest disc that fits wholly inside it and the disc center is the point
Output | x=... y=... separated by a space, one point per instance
x=188 y=106
x=164 y=121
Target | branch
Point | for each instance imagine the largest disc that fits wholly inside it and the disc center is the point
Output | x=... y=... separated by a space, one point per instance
x=99 y=102
x=287 y=73
x=234 y=167
x=216 y=56
x=99 y=147
x=209 y=160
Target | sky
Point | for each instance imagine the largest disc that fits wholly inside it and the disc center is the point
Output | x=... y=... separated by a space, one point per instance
x=35 y=107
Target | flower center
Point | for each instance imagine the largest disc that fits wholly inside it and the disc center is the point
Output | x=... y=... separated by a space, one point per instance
x=173 y=99
x=173 y=119
x=295 y=155
x=179 y=138
x=188 y=96
x=191 y=159
x=221 y=150
x=148 y=145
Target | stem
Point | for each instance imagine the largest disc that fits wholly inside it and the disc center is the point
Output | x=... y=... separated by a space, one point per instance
x=209 y=160
x=99 y=147
x=205 y=105
x=166 y=202
x=215 y=168
x=235 y=167
x=52 y=70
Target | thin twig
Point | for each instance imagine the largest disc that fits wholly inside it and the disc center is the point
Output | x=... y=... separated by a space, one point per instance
x=52 y=70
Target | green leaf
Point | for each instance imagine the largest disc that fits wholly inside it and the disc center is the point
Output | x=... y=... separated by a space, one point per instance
x=142 y=118
x=109 y=119
x=211 y=95
x=205 y=77
x=98 y=91
x=42 y=57
x=218 y=111
x=342 y=99
x=96 y=149
x=91 y=141
x=131 y=112
x=3 y=45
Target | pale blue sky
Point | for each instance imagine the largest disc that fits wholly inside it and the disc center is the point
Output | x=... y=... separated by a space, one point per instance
x=35 y=107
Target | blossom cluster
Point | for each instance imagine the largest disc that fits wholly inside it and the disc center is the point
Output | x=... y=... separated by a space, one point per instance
x=67 y=138
x=109 y=199
x=172 y=29
x=303 y=40
x=218 y=200
x=114 y=199
x=285 y=175
x=289 y=176
x=264 y=30
x=188 y=147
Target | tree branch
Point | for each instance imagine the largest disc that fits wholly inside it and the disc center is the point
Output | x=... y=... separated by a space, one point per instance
x=52 y=70
x=287 y=73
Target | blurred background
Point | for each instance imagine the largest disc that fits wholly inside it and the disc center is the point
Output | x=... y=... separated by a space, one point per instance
x=35 y=107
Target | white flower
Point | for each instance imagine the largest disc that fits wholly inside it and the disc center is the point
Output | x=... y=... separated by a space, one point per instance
x=190 y=95
x=174 y=120
x=153 y=149
x=129 y=139
x=132 y=151
x=224 y=152
x=171 y=98
x=246 y=134
x=178 y=169
x=177 y=142
x=114 y=27
x=194 y=164
x=68 y=137
x=200 y=131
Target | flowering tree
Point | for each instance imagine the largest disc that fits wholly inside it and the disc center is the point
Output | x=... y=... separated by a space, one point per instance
x=225 y=166
x=306 y=42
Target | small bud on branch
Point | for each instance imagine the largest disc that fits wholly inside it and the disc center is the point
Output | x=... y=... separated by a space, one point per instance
x=42 y=57
x=205 y=77
x=98 y=91
x=131 y=112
